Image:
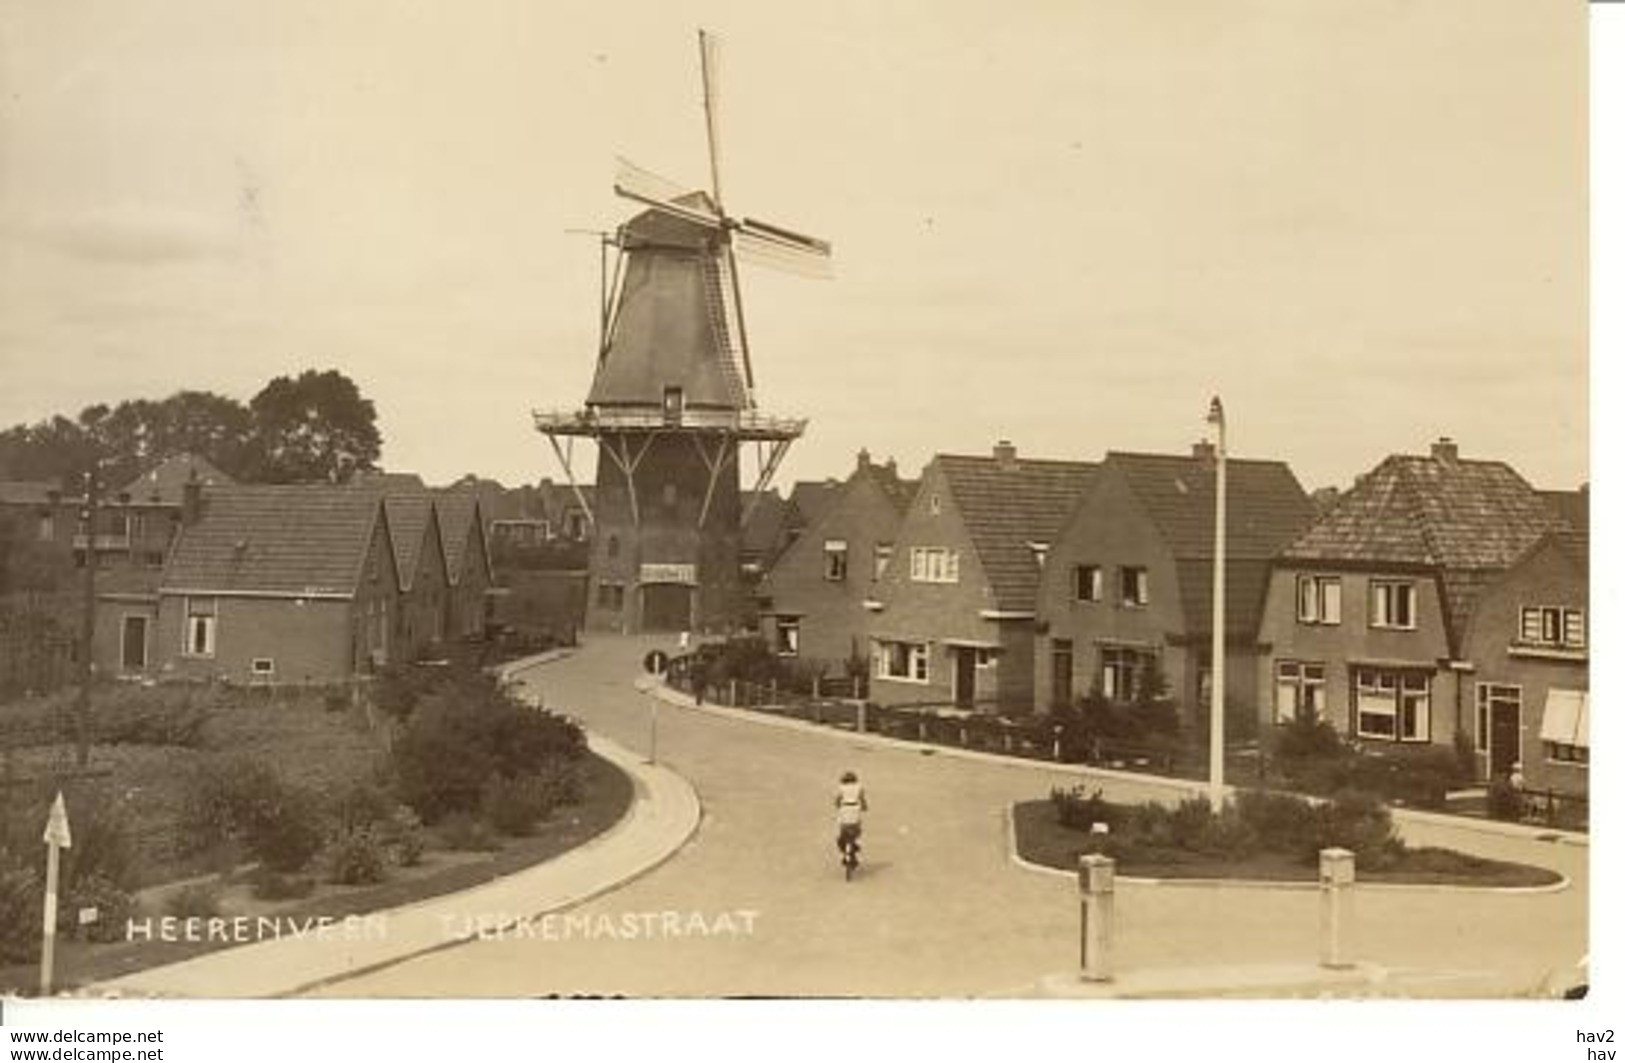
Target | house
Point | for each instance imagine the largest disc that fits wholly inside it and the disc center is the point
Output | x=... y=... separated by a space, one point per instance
x=1527 y=641
x=954 y=608
x=274 y=584
x=471 y=582
x=421 y=622
x=1127 y=590
x=764 y=535
x=1367 y=611
x=814 y=598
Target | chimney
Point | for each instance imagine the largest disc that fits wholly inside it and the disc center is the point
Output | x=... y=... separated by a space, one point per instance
x=1004 y=452
x=863 y=458
x=1445 y=450
x=1204 y=450
x=191 y=500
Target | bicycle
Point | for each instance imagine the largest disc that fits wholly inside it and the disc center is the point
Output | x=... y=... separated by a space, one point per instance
x=848 y=843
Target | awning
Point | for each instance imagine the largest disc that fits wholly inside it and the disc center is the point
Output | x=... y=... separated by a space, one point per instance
x=1567 y=720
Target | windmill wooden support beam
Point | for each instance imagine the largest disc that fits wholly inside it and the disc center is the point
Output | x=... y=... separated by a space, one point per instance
x=563 y=454
x=727 y=447
x=778 y=449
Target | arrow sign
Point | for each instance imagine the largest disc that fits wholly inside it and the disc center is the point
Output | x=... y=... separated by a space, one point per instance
x=56 y=825
x=57 y=837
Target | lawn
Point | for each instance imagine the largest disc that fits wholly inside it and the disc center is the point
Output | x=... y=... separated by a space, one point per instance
x=1042 y=839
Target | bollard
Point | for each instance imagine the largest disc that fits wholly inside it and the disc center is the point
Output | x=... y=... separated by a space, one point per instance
x=863 y=717
x=1096 y=875
x=1336 y=901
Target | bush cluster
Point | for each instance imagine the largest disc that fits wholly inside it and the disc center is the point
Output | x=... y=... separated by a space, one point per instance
x=237 y=801
x=355 y=858
x=125 y=714
x=1313 y=758
x=97 y=871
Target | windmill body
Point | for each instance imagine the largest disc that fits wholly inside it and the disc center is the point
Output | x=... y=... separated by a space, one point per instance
x=671 y=405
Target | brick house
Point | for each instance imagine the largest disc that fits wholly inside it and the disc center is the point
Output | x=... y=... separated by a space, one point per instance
x=1128 y=584
x=956 y=605
x=420 y=558
x=1527 y=641
x=1367 y=611
x=462 y=526
x=813 y=598
x=279 y=584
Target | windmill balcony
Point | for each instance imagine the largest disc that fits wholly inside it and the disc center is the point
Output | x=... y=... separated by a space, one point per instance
x=748 y=424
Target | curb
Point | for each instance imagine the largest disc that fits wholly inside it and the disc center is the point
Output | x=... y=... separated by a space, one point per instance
x=1022 y=862
x=660 y=792
x=1190 y=787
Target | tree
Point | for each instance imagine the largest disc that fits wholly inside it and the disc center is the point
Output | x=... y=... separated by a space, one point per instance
x=314 y=428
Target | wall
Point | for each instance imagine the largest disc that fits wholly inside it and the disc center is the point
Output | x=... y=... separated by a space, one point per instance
x=309 y=642
x=1285 y=638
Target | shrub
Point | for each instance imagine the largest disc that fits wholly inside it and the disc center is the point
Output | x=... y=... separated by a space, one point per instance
x=19 y=914
x=153 y=716
x=1359 y=822
x=462 y=832
x=237 y=799
x=195 y=900
x=362 y=805
x=1308 y=739
x=1079 y=812
x=1231 y=836
x=113 y=903
x=1503 y=801
x=514 y=806
x=402 y=836
x=1191 y=822
x=355 y=858
x=1283 y=822
x=271 y=885
x=103 y=841
x=284 y=836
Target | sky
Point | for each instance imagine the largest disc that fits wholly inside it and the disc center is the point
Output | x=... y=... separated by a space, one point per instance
x=1068 y=224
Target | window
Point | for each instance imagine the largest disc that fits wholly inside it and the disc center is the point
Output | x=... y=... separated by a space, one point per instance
x=47 y=527
x=883 y=553
x=1564 y=753
x=1300 y=691
x=907 y=661
x=262 y=668
x=1491 y=697
x=612 y=547
x=787 y=636
x=986 y=656
x=672 y=405
x=835 y=559
x=936 y=505
x=1552 y=626
x=611 y=596
x=1088 y=585
x=1134 y=585
x=1122 y=672
x=153 y=558
x=1393 y=605
x=933 y=564
x=1320 y=600
x=1391 y=705
x=200 y=627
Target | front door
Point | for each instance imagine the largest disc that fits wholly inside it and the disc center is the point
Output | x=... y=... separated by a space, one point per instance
x=1504 y=738
x=1061 y=675
x=133 y=654
x=964 y=677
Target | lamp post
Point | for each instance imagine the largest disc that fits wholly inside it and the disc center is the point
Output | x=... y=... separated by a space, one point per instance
x=1215 y=417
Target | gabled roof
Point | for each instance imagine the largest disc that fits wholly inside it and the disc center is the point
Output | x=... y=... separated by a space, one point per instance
x=1449 y=513
x=409 y=515
x=276 y=539
x=392 y=482
x=461 y=517
x=164 y=483
x=898 y=491
x=1265 y=507
x=1007 y=506
x=1574 y=507
x=761 y=534
x=26 y=492
x=811 y=499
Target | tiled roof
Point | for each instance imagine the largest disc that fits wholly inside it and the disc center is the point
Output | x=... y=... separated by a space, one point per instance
x=1246 y=582
x=761 y=533
x=1573 y=506
x=284 y=539
x=25 y=492
x=457 y=511
x=1006 y=507
x=811 y=499
x=898 y=491
x=1451 y=513
x=1470 y=520
x=165 y=482
x=1265 y=507
x=409 y=514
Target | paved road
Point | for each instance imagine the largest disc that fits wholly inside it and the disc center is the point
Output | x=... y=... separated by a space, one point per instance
x=756 y=904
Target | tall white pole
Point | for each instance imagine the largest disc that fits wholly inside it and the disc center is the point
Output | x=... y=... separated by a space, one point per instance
x=1216 y=683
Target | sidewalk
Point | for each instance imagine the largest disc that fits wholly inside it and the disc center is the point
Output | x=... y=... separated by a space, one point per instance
x=1174 y=788
x=665 y=813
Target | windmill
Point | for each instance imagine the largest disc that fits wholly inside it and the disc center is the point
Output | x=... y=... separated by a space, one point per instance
x=673 y=399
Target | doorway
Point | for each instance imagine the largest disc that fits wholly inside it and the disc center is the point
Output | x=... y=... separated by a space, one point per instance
x=666 y=606
x=1060 y=675
x=964 y=677
x=133 y=644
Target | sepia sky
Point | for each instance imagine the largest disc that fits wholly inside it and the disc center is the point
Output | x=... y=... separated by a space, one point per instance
x=1065 y=222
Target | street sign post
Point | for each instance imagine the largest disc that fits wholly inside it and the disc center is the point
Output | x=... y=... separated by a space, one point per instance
x=655 y=663
x=57 y=837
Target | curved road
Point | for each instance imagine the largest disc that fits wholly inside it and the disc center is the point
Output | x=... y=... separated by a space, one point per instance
x=755 y=904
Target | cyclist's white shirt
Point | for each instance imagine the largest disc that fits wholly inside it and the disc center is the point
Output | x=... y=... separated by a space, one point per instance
x=849 y=802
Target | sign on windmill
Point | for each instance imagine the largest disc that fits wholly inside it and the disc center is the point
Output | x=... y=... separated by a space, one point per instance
x=57 y=837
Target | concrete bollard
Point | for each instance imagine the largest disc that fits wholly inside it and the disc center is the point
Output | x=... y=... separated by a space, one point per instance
x=863 y=717
x=1096 y=883
x=1336 y=903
